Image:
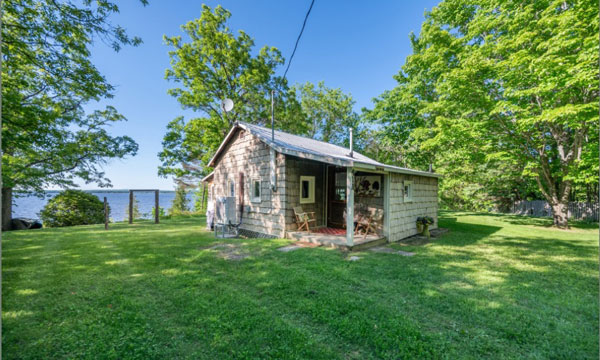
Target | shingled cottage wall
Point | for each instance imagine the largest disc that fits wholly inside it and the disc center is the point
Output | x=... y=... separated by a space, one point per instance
x=294 y=168
x=403 y=215
x=247 y=154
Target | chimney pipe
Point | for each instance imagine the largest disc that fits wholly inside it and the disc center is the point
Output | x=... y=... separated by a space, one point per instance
x=430 y=168
x=351 y=144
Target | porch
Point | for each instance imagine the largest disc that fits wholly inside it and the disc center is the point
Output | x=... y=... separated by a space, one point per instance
x=338 y=241
x=339 y=198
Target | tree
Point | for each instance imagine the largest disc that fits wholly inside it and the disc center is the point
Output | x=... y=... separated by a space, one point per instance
x=212 y=65
x=329 y=112
x=47 y=77
x=507 y=84
x=180 y=203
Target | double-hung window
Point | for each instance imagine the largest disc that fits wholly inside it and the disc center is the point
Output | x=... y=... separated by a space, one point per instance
x=255 y=190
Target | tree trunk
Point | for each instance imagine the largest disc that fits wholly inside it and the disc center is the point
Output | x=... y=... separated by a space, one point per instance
x=560 y=214
x=6 y=208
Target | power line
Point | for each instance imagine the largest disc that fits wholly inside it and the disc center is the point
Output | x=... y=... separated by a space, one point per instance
x=298 y=39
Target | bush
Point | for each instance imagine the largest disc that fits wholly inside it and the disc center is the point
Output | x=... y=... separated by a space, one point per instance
x=161 y=212
x=73 y=207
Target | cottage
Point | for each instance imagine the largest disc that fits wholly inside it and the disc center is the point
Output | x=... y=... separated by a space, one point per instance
x=272 y=175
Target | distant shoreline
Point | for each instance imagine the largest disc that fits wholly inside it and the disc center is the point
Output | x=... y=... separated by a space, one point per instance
x=94 y=191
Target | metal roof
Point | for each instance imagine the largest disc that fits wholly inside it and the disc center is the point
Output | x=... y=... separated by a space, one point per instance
x=312 y=149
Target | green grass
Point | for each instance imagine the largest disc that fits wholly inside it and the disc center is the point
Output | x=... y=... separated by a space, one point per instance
x=494 y=286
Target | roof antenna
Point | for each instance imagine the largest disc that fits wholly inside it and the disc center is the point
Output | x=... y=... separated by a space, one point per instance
x=351 y=145
x=272 y=116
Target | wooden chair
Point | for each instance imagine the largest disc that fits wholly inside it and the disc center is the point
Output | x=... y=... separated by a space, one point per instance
x=368 y=220
x=303 y=219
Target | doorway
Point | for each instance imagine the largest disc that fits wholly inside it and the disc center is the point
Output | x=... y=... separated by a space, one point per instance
x=336 y=197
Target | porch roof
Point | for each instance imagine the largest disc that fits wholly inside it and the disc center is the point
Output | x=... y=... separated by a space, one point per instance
x=312 y=149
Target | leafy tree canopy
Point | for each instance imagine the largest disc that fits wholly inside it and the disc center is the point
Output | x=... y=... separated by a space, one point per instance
x=329 y=112
x=210 y=65
x=501 y=85
x=47 y=76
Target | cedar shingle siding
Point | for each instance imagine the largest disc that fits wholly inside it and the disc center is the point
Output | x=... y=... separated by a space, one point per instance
x=246 y=153
x=403 y=215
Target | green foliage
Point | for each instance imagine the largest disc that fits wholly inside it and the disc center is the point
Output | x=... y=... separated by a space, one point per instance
x=329 y=113
x=493 y=287
x=135 y=210
x=200 y=199
x=210 y=64
x=47 y=78
x=425 y=220
x=161 y=212
x=509 y=86
x=73 y=207
x=180 y=203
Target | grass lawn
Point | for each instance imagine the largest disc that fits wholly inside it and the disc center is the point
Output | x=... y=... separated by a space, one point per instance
x=495 y=286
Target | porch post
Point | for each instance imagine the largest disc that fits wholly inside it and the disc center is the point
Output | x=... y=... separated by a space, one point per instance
x=386 y=205
x=349 y=206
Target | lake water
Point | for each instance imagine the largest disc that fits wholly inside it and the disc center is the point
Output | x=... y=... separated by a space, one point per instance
x=29 y=206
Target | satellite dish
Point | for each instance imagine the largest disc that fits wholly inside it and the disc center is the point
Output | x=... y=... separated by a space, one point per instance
x=227 y=105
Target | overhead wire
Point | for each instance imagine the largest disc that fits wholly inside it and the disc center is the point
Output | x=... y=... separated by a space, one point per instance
x=298 y=39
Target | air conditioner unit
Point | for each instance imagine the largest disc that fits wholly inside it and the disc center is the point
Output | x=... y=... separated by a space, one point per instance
x=225 y=211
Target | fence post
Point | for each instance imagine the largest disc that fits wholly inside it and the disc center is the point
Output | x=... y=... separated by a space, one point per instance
x=156 y=207
x=105 y=214
x=203 y=192
x=130 y=207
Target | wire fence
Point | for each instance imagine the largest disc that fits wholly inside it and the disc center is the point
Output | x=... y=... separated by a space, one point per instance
x=577 y=210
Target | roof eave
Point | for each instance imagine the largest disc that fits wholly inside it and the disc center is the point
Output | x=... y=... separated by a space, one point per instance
x=222 y=146
x=208 y=177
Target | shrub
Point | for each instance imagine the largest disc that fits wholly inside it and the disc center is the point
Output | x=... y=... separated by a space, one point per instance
x=161 y=212
x=425 y=220
x=73 y=207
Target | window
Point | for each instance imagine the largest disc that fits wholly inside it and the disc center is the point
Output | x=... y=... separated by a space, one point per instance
x=231 y=188
x=340 y=186
x=408 y=191
x=307 y=189
x=255 y=190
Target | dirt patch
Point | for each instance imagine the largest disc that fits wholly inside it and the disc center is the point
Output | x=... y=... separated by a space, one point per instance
x=384 y=249
x=306 y=244
x=233 y=252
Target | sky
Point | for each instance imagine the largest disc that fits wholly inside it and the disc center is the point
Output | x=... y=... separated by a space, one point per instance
x=357 y=46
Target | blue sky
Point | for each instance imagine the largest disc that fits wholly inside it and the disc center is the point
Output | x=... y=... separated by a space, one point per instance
x=353 y=45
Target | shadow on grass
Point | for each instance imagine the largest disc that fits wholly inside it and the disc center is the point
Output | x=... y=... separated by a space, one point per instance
x=159 y=291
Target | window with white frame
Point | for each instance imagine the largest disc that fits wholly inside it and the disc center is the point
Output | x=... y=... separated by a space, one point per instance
x=307 y=189
x=408 y=191
x=255 y=190
x=231 y=188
